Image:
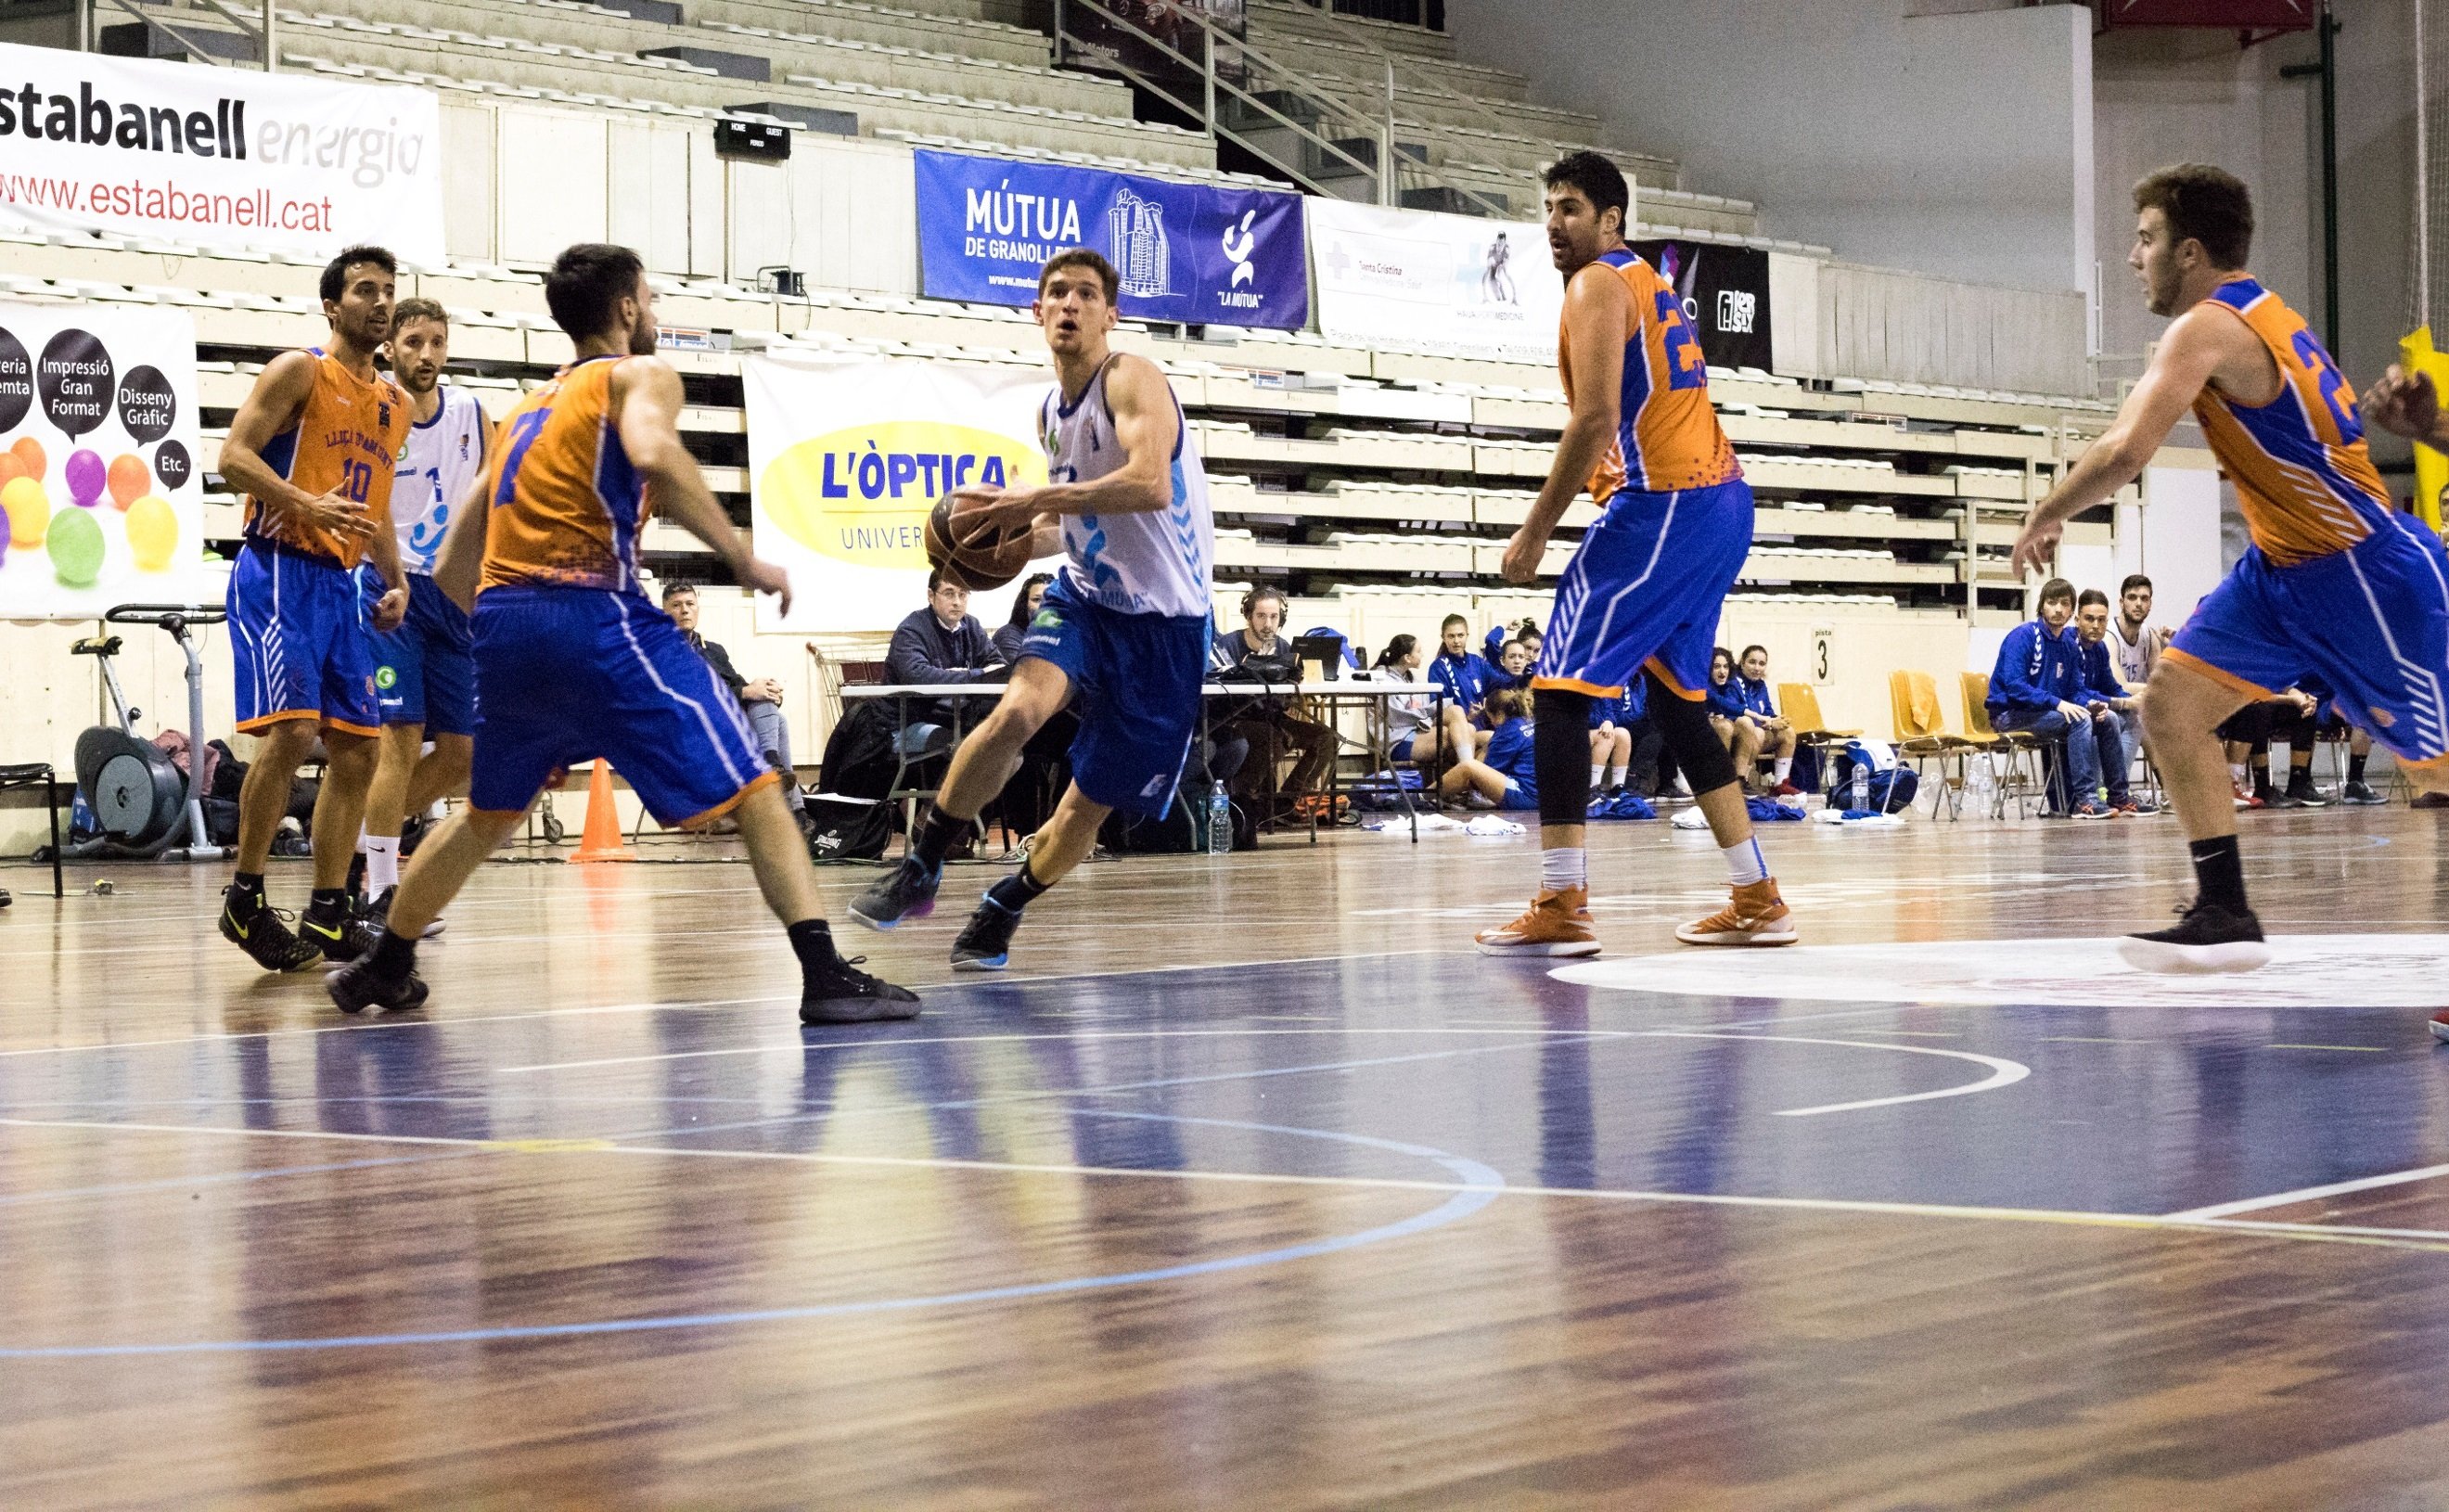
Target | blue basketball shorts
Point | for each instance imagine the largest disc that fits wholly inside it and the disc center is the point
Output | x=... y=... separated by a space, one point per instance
x=1136 y=680
x=1646 y=589
x=298 y=644
x=425 y=671
x=2368 y=625
x=571 y=674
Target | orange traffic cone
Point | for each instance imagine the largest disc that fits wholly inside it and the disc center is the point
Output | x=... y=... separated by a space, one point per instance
x=601 y=841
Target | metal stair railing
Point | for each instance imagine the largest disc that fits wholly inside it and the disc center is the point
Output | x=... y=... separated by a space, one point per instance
x=1268 y=76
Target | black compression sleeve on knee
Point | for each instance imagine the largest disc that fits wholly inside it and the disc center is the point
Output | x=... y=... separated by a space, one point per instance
x=1684 y=723
x=1560 y=754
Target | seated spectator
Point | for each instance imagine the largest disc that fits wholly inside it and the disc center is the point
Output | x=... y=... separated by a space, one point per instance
x=2109 y=700
x=2334 y=724
x=1275 y=728
x=1466 y=676
x=1024 y=608
x=759 y=701
x=2134 y=646
x=1509 y=755
x=2251 y=730
x=1513 y=668
x=1526 y=631
x=1417 y=733
x=2033 y=691
x=942 y=643
x=1725 y=698
x=1775 y=732
x=1611 y=745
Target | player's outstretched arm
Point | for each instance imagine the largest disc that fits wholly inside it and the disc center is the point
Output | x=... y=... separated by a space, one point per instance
x=1596 y=307
x=648 y=401
x=1147 y=423
x=2406 y=404
x=273 y=406
x=2197 y=346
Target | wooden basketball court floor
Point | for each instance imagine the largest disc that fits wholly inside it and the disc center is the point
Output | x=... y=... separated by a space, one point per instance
x=1252 y=1187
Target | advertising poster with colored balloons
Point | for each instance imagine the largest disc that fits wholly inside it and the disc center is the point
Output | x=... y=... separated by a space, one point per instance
x=845 y=458
x=99 y=498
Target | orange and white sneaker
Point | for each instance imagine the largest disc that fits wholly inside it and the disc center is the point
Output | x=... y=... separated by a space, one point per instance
x=1555 y=924
x=1756 y=915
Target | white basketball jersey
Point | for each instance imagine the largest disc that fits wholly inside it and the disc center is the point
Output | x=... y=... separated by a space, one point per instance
x=444 y=456
x=1137 y=564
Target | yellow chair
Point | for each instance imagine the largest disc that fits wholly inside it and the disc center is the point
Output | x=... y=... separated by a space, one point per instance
x=1801 y=707
x=2027 y=770
x=1922 y=738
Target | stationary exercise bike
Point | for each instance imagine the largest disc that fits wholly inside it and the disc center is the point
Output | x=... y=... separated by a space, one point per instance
x=143 y=802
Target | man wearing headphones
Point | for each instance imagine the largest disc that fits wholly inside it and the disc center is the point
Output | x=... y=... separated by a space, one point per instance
x=1258 y=653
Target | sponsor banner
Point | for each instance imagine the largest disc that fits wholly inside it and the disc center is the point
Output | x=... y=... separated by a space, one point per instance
x=99 y=498
x=1726 y=297
x=218 y=157
x=845 y=458
x=1446 y=283
x=1187 y=252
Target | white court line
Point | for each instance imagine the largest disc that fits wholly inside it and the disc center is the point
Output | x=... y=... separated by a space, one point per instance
x=2437 y=1240
x=2002 y=1072
x=2282 y=1200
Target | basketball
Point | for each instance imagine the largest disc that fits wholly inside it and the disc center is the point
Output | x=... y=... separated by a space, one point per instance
x=988 y=558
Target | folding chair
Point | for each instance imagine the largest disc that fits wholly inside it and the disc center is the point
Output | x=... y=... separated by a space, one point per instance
x=2028 y=757
x=1922 y=738
x=1801 y=706
x=32 y=774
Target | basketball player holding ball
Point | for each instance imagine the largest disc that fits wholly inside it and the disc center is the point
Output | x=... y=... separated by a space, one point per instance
x=1123 y=629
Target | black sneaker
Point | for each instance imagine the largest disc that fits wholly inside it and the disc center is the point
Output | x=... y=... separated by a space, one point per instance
x=2208 y=939
x=333 y=931
x=840 y=993
x=985 y=943
x=2304 y=795
x=2361 y=794
x=907 y=892
x=266 y=936
x=357 y=986
x=412 y=834
x=375 y=918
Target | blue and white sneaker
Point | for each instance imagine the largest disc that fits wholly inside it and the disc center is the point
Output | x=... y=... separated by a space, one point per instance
x=985 y=942
x=907 y=892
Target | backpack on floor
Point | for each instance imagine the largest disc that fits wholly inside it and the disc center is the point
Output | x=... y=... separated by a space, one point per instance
x=846 y=829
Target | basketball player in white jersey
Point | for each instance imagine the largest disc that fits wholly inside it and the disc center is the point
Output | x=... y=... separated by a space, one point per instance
x=425 y=679
x=1123 y=629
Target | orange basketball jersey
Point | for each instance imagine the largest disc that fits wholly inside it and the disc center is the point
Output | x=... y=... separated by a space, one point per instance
x=2303 y=476
x=1667 y=435
x=567 y=510
x=347 y=439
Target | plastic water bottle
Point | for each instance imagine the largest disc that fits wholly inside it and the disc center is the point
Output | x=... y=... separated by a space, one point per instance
x=1860 y=792
x=1219 y=822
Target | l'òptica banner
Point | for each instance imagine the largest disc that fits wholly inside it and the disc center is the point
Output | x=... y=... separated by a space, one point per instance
x=845 y=458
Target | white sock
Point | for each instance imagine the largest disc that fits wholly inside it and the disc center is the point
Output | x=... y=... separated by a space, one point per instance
x=1615 y=777
x=1744 y=863
x=1784 y=766
x=2236 y=773
x=1596 y=772
x=1564 y=867
x=361 y=839
x=382 y=862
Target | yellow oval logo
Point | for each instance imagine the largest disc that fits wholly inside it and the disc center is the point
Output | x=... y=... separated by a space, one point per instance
x=861 y=494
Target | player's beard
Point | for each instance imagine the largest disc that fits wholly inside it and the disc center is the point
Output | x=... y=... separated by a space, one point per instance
x=641 y=338
x=2160 y=281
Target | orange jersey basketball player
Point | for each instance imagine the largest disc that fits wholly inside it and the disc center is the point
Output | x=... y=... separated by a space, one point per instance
x=574 y=662
x=313 y=449
x=2337 y=588
x=1638 y=605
